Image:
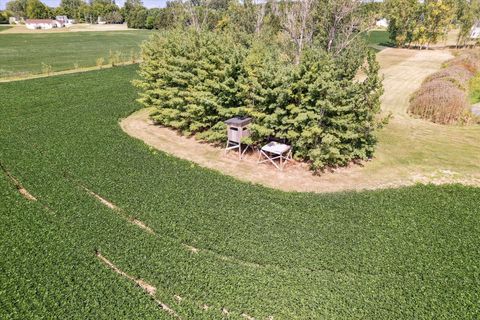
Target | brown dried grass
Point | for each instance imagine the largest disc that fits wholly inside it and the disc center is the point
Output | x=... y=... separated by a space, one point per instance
x=440 y=101
x=456 y=74
x=443 y=96
x=469 y=60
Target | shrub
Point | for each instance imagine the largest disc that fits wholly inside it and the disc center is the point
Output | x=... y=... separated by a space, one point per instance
x=469 y=60
x=114 y=58
x=443 y=96
x=198 y=80
x=99 y=62
x=440 y=101
x=455 y=74
x=46 y=68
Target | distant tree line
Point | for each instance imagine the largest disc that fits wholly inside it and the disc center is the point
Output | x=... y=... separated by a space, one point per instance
x=79 y=10
x=300 y=69
x=415 y=23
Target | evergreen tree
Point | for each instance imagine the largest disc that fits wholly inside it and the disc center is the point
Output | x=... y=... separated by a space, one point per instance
x=185 y=76
x=198 y=80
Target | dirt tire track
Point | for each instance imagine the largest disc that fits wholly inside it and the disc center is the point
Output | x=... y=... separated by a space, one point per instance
x=148 y=288
x=23 y=192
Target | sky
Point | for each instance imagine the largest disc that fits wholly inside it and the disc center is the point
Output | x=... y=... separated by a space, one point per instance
x=54 y=3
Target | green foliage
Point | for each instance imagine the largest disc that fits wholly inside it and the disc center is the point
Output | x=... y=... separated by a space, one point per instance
x=467 y=14
x=71 y=8
x=419 y=23
x=475 y=89
x=46 y=68
x=114 y=58
x=190 y=78
x=17 y=7
x=35 y=9
x=137 y=18
x=403 y=16
x=198 y=80
x=389 y=254
x=4 y=16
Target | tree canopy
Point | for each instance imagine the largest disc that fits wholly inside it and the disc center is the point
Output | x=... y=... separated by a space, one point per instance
x=425 y=23
x=275 y=64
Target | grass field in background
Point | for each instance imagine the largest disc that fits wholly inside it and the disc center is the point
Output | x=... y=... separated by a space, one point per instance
x=393 y=254
x=23 y=54
x=475 y=89
x=378 y=39
x=4 y=27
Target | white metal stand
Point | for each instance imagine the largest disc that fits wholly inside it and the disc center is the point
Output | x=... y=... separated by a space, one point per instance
x=232 y=145
x=276 y=151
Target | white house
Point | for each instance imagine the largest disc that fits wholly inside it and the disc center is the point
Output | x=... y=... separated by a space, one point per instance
x=13 y=20
x=382 y=23
x=43 y=24
x=64 y=19
x=475 y=35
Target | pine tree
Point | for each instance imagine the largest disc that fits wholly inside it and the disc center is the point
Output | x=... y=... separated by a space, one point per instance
x=196 y=81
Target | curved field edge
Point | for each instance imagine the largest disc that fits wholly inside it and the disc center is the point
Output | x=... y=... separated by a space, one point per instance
x=410 y=151
x=410 y=252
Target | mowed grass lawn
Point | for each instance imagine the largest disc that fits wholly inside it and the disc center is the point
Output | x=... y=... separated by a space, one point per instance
x=393 y=254
x=22 y=54
x=378 y=39
x=4 y=27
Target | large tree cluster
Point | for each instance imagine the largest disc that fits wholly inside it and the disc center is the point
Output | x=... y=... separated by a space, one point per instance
x=300 y=71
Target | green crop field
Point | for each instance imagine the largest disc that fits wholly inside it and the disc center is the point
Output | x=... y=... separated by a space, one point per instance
x=24 y=53
x=392 y=254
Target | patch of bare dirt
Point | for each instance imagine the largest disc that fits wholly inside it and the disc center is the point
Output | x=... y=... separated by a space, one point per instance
x=246 y=316
x=191 y=249
x=101 y=199
x=27 y=195
x=114 y=207
x=24 y=192
x=143 y=226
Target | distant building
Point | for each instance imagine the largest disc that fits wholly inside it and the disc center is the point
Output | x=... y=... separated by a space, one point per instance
x=65 y=20
x=475 y=31
x=382 y=23
x=43 y=24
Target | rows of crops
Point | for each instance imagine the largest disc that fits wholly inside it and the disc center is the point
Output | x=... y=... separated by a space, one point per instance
x=392 y=254
x=24 y=54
